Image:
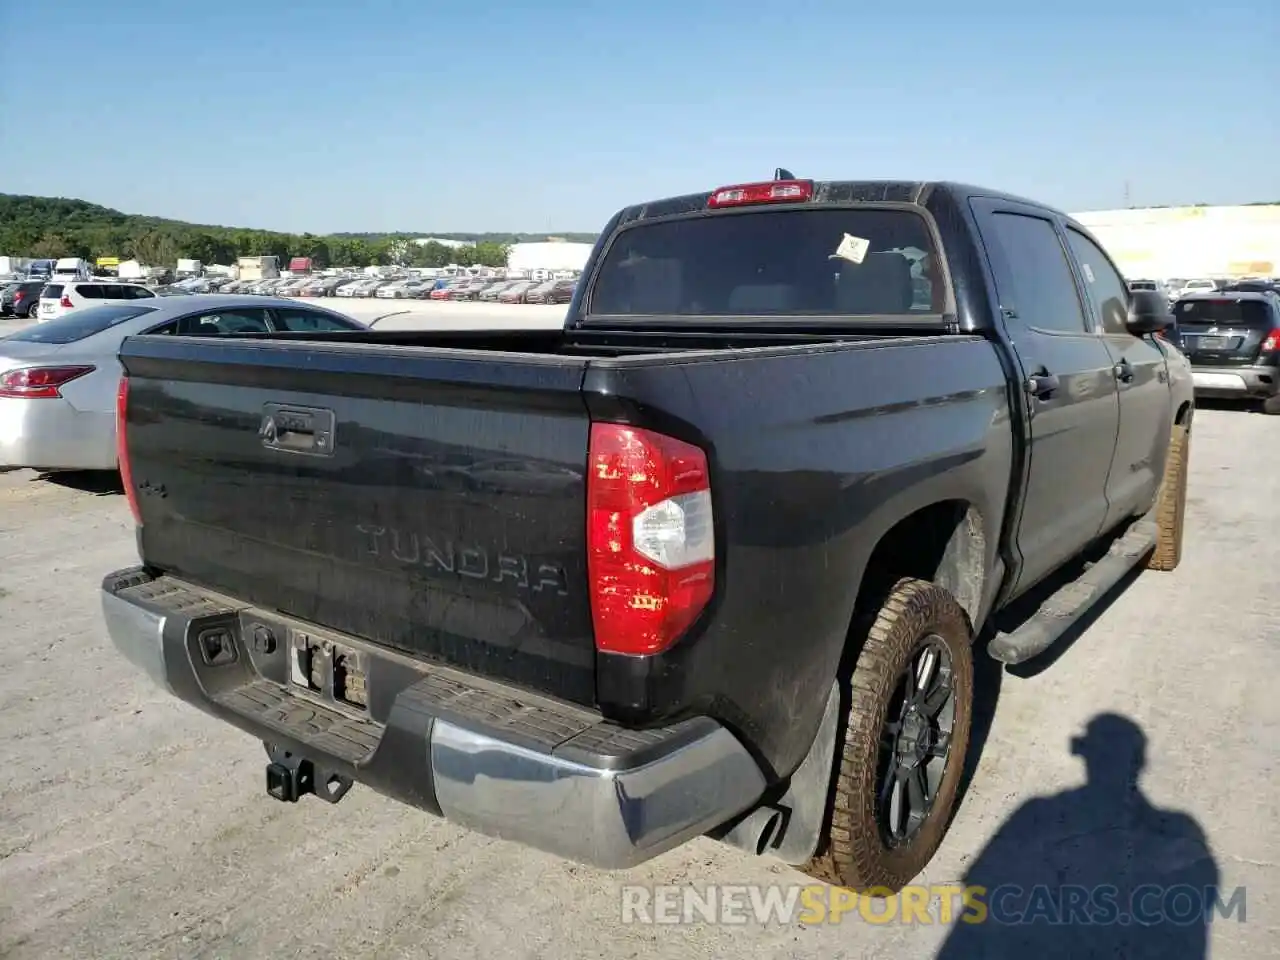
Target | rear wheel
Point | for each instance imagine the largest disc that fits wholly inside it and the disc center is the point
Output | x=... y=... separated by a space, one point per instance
x=33 y=310
x=1171 y=502
x=1271 y=406
x=902 y=751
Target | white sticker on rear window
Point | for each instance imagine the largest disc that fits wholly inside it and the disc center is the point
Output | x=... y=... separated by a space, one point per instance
x=1088 y=273
x=854 y=249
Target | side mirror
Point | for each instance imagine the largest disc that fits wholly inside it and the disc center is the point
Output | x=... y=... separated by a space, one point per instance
x=1148 y=313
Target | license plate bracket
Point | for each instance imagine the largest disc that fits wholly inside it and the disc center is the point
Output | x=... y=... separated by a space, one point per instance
x=329 y=670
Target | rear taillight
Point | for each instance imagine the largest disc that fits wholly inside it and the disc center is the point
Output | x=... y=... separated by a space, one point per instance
x=1272 y=342
x=35 y=383
x=18 y=297
x=772 y=191
x=122 y=448
x=66 y=303
x=650 y=538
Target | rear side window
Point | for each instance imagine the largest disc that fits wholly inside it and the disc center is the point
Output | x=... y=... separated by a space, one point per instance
x=72 y=327
x=777 y=263
x=221 y=322
x=51 y=291
x=1044 y=288
x=91 y=291
x=1250 y=314
x=1102 y=283
x=302 y=321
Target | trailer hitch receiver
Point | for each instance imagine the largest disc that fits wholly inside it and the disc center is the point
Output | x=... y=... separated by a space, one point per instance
x=291 y=777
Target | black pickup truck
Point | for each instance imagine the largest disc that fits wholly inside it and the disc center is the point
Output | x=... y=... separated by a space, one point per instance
x=708 y=561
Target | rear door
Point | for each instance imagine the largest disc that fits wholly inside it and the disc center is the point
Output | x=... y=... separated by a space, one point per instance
x=1142 y=380
x=1224 y=331
x=1069 y=386
x=89 y=294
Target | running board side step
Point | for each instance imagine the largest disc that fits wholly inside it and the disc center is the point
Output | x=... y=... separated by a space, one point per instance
x=1069 y=603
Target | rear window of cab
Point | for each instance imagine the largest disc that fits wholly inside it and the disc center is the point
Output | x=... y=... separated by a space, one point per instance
x=834 y=262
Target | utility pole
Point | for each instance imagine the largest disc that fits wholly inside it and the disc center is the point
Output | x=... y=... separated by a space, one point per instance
x=1127 y=200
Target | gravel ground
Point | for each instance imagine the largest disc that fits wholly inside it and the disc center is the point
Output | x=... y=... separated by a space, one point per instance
x=134 y=826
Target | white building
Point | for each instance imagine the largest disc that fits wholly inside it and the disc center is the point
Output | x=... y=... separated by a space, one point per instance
x=549 y=255
x=454 y=244
x=1185 y=242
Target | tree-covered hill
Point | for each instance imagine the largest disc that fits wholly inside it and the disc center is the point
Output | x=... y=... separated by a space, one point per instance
x=60 y=227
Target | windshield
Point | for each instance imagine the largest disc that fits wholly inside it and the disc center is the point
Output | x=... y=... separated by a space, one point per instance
x=1252 y=314
x=780 y=262
x=78 y=325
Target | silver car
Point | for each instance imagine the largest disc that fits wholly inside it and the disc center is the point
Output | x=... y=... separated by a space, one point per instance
x=58 y=379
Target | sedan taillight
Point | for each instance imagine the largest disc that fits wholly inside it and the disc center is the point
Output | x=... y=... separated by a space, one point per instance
x=36 y=383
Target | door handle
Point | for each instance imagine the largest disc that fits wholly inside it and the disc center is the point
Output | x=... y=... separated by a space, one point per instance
x=1124 y=371
x=1042 y=384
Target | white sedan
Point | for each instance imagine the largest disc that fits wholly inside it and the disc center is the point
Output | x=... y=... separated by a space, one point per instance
x=58 y=379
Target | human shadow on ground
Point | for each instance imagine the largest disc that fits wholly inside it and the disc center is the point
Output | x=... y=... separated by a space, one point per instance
x=1097 y=871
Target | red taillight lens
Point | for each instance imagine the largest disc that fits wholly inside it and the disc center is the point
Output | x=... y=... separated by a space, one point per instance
x=773 y=191
x=34 y=383
x=650 y=538
x=122 y=448
x=1272 y=342
x=66 y=303
x=18 y=297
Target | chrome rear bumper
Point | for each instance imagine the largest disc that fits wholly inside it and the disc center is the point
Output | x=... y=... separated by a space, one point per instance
x=492 y=758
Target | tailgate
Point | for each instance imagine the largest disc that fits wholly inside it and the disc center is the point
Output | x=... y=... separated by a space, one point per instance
x=429 y=500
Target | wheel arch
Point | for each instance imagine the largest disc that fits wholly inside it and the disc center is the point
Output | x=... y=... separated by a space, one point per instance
x=944 y=542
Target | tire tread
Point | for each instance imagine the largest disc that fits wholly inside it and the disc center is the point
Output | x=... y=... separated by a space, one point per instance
x=852 y=854
x=1171 y=503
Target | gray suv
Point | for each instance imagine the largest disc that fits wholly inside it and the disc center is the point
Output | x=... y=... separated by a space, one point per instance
x=1233 y=342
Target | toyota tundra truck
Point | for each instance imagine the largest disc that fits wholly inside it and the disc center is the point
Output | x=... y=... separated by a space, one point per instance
x=708 y=561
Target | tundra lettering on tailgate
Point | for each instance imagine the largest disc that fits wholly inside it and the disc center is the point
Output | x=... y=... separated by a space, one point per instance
x=464 y=560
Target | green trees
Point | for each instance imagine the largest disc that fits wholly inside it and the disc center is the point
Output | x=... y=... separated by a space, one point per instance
x=58 y=227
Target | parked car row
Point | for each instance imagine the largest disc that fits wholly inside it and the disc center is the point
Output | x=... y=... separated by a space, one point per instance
x=1174 y=289
x=44 y=300
x=486 y=289
x=506 y=291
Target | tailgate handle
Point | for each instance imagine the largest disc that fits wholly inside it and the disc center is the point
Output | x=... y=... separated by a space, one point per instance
x=291 y=429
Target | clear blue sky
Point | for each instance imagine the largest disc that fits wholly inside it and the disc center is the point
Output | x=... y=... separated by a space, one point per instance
x=383 y=115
